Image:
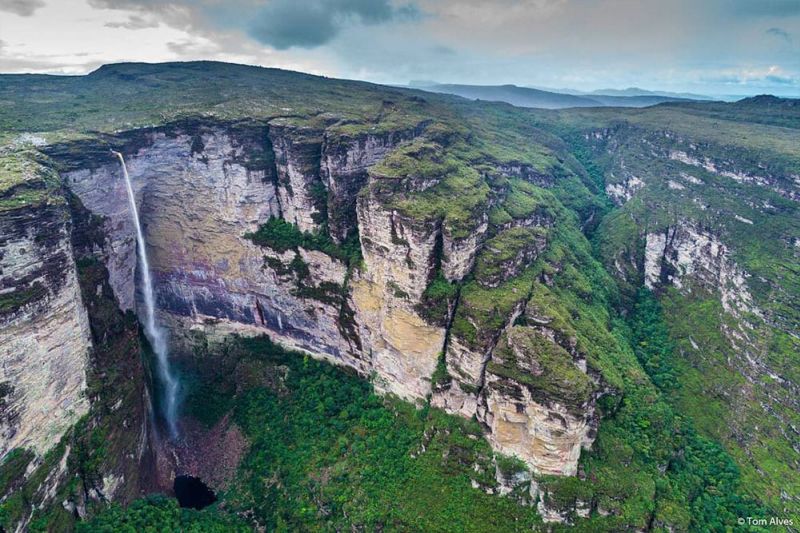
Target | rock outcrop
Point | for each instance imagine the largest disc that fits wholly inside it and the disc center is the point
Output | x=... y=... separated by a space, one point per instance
x=539 y=403
x=686 y=253
x=44 y=331
x=73 y=408
x=206 y=188
x=297 y=165
x=691 y=154
x=399 y=262
x=344 y=168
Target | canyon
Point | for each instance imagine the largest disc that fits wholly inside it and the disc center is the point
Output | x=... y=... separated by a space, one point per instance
x=211 y=281
x=404 y=244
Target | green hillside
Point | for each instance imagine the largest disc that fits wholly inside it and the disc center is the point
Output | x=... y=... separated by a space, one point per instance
x=698 y=411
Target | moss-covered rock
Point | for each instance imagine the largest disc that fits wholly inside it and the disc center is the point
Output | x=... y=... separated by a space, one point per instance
x=524 y=356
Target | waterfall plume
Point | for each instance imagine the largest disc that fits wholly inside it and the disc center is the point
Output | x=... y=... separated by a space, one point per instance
x=155 y=333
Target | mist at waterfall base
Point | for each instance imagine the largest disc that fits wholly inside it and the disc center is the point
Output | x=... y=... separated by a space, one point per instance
x=154 y=333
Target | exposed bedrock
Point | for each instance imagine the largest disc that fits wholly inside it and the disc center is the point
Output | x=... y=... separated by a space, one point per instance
x=44 y=331
x=203 y=188
x=533 y=396
x=785 y=184
x=538 y=403
x=687 y=252
x=466 y=362
x=528 y=385
x=458 y=254
x=297 y=163
x=690 y=257
x=319 y=173
x=399 y=262
x=741 y=165
x=115 y=373
x=343 y=169
x=197 y=207
x=503 y=257
x=70 y=366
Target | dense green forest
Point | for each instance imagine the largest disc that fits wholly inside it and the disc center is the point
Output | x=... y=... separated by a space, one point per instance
x=327 y=453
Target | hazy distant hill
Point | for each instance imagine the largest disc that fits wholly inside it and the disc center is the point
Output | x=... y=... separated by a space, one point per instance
x=636 y=91
x=530 y=97
x=635 y=101
x=512 y=94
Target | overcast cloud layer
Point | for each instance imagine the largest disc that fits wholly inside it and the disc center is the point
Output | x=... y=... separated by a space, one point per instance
x=706 y=46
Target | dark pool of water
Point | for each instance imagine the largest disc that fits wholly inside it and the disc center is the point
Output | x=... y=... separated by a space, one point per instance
x=192 y=492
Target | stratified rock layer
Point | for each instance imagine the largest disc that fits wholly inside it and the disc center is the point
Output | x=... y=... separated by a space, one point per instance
x=44 y=331
x=204 y=187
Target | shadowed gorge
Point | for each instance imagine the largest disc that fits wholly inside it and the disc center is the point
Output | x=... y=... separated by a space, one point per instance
x=392 y=310
x=192 y=492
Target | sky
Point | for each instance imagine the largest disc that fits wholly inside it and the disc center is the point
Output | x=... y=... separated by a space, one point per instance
x=712 y=47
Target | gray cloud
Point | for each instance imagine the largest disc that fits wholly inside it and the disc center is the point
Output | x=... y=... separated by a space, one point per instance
x=284 y=24
x=192 y=49
x=142 y=4
x=23 y=8
x=281 y=24
x=134 y=22
x=181 y=14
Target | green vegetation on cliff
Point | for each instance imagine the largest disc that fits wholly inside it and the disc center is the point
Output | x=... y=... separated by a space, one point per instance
x=728 y=350
x=25 y=182
x=649 y=467
x=281 y=236
x=44 y=491
x=28 y=188
x=551 y=372
x=683 y=442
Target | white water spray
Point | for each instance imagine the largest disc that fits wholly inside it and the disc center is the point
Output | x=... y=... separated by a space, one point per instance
x=155 y=334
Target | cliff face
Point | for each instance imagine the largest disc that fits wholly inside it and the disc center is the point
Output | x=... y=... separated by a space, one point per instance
x=73 y=408
x=398 y=263
x=297 y=166
x=344 y=168
x=688 y=253
x=196 y=208
x=712 y=234
x=44 y=331
x=205 y=189
x=538 y=402
x=695 y=261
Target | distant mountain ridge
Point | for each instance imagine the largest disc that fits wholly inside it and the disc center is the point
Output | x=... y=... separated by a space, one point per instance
x=544 y=99
x=636 y=91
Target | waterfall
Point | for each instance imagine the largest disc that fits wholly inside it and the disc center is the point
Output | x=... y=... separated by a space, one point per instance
x=155 y=334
